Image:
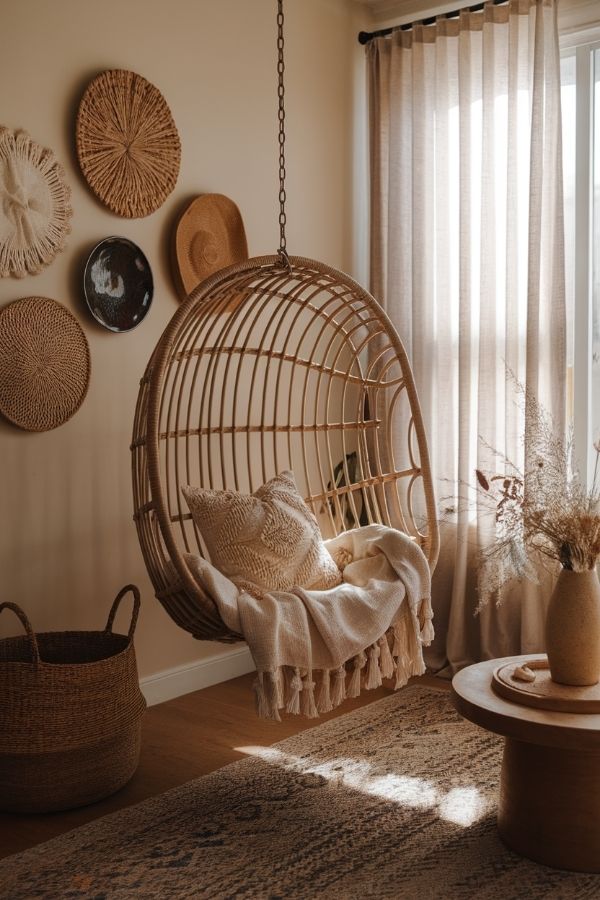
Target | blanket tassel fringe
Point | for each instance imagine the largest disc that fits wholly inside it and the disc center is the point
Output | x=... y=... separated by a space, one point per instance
x=397 y=654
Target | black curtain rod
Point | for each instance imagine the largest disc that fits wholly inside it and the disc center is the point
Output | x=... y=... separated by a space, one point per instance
x=365 y=36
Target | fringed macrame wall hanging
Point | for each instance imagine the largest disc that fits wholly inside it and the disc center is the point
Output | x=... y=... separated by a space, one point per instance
x=35 y=208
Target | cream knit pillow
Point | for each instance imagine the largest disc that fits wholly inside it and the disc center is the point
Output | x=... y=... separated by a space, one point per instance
x=269 y=538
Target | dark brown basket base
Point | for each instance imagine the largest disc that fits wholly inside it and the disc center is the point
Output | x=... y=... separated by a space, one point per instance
x=29 y=783
x=70 y=714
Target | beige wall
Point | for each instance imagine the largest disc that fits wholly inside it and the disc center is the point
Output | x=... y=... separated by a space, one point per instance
x=67 y=540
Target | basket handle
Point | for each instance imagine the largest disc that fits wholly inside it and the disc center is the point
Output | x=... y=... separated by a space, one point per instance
x=35 y=651
x=135 y=612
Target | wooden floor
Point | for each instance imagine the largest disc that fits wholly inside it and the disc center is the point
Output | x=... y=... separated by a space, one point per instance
x=182 y=739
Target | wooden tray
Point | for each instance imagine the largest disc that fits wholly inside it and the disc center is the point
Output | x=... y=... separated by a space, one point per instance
x=543 y=693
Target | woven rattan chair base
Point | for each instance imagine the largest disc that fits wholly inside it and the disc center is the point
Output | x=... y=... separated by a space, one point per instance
x=127 y=143
x=44 y=364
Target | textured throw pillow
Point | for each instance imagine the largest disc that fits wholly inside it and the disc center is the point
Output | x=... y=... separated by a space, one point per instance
x=269 y=538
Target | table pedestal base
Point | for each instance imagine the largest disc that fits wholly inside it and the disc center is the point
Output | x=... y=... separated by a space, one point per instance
x=549 y=808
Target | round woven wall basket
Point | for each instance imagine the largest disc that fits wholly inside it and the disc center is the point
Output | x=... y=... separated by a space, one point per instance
x=127 y=143
x=44 y=364
x=35 y=207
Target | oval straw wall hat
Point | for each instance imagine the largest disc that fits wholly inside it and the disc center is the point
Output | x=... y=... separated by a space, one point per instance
x=44 y=363
x=35 y=205
x=209 y=236
x=127 y=143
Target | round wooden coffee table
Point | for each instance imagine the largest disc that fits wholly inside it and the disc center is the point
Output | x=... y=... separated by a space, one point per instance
x=549 y=804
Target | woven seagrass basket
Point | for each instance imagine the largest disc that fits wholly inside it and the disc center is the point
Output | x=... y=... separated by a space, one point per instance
x=70 y=714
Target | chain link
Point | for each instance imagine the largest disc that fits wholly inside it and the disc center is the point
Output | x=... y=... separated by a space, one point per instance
x=282 y=253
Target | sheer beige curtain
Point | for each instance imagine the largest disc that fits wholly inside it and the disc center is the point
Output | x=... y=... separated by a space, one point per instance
x=467 y=258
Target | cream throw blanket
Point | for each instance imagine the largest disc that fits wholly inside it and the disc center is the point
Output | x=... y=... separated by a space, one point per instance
x=373 y=624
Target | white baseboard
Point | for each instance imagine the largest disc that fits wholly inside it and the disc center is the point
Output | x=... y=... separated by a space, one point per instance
x=194 y=676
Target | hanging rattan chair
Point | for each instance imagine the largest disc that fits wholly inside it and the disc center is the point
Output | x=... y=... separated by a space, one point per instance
x=264 y=368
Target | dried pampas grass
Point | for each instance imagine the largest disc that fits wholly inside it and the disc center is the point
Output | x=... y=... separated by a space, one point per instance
x=542 y=513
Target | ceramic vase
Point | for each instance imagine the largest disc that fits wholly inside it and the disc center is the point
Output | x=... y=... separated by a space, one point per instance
x=573 y=628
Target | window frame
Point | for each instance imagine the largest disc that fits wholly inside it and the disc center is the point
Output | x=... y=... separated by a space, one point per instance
x=582 y=46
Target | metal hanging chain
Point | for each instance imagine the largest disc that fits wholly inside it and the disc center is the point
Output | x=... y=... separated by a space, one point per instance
x=282 y=252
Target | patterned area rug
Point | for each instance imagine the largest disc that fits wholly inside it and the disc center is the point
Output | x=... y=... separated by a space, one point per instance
x=393 y=800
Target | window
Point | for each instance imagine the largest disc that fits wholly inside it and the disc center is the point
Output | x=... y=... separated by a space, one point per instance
x=580 y=78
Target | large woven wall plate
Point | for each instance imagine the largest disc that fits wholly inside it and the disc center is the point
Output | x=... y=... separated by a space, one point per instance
x=35 y=207
x=127 y=143
x=44 y=364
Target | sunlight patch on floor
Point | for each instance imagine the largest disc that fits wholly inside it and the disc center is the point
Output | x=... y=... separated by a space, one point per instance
x=406 y=790
x=463 y=806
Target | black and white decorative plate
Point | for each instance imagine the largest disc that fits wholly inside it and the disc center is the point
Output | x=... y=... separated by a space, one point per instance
x=117 y=284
